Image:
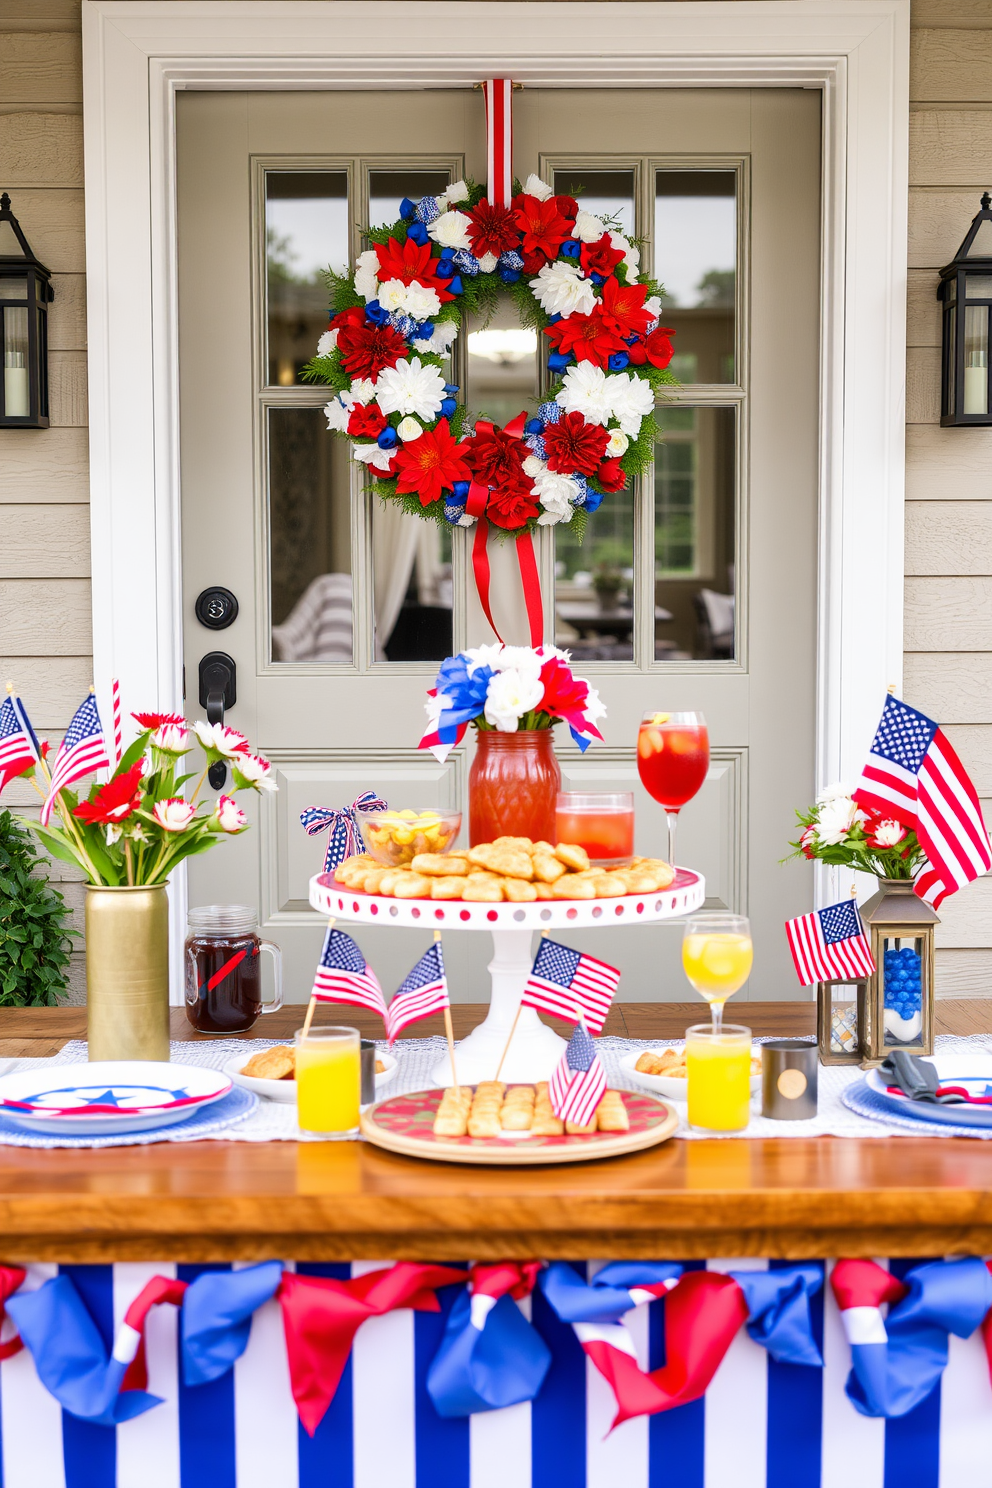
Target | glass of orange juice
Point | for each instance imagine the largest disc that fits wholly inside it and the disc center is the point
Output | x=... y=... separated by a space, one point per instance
x=718 y=1065
x=328 y=1080
x=717 y=956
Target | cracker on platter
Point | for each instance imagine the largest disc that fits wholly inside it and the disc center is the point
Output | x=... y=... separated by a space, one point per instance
x=573 y=856
x=448 y=888
x=438 y=864
x=272 y=1064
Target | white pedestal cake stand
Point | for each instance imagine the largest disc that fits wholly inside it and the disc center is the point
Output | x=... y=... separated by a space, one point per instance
x=536 y=1049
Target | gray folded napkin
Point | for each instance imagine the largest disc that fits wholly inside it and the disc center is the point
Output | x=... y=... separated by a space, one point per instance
x=918 y=1079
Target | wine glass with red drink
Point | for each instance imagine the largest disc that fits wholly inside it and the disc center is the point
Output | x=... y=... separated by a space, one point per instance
x=673 y=756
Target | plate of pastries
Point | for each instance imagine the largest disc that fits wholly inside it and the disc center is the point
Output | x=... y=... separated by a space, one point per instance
x=510 y=869
x=272 y=1072
x=511 y=1125
x=664 y=1071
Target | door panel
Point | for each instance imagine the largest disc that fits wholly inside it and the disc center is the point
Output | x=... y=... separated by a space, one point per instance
x=338 y=596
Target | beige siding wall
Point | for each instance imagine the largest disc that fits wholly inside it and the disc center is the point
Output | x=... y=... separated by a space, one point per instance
x=44 y=551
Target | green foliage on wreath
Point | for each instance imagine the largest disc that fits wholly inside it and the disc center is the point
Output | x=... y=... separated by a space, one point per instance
x=35 y=935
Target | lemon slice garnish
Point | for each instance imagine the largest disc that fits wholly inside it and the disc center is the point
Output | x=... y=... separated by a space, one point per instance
x=660 y=717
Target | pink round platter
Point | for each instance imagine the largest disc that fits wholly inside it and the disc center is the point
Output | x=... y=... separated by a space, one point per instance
x=404 y=1124
x=681 y=897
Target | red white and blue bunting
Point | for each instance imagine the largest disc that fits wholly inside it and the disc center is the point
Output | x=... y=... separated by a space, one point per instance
x=419 y=1376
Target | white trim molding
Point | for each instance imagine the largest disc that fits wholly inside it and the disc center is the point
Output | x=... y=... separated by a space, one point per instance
x=138 y=53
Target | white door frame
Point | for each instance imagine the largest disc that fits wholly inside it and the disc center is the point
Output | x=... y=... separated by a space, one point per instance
x=138 y=53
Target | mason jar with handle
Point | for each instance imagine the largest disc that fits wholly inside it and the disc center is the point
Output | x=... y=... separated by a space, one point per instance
x=224 y=970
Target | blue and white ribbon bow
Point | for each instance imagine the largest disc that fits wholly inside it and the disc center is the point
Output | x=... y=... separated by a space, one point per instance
x=345 y=839
x=490 y=1356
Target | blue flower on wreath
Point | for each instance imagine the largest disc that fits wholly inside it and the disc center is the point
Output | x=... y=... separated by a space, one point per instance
x=510 y=260
x=428 y=210
x=466 y=262
x=550 y=413
x=537 y=446
x=464 y=692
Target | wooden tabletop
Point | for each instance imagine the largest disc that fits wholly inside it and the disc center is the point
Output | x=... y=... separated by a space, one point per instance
x=790 y=1197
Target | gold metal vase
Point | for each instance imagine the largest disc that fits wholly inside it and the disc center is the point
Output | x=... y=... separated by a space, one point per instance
x=127 y=972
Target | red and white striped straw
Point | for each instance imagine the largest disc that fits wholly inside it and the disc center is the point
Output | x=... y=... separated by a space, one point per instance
x=118 y=737
x=499 y=139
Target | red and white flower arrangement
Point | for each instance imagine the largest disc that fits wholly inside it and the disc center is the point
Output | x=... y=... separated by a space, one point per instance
x=393 y=323
x=509 y=688
x=837 y=830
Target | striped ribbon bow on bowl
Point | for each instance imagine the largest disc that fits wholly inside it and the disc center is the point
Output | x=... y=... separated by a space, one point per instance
x=345 y=840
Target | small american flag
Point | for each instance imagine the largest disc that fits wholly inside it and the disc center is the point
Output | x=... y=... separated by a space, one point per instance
x=343 y=975
x=424 y=991
x=570 y=985
x=18 y=745
x=914 y=775
x=577 y=1085
x=830 y=943
x=82 y=751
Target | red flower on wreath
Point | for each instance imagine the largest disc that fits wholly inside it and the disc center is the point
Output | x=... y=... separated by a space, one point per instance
x=572 y=445
x=496 y=459
x=543 y=226
x=512 y=506
x=366 y=421
x=115 y=800
x=600 y=257
x=610 y=476
x=428 y=465
x=589 y=338
x=411 y=261
x=655 y=348
x=493 y=229
x=366 y=349
x=623 y=307
x=567 y=206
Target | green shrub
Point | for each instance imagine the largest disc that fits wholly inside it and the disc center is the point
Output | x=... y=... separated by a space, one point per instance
x=35 y=937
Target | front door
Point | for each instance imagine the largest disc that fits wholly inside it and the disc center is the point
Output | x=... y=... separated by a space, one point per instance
x=696 y=590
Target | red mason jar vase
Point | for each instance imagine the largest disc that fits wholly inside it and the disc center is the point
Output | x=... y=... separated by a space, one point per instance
x=513 y=786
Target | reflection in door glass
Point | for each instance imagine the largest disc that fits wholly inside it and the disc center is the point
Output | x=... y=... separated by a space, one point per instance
x=606 y=194
x=411 y=584
x=594 y=583
x=387 y=188
x=306 y=231
x=694 y=513
x=695 y=234
x=309 y=539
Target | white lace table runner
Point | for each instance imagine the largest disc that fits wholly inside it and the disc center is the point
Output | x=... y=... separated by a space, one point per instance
x=276 y=1122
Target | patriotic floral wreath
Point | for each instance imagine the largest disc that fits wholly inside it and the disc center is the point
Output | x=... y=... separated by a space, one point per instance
x=393 y=324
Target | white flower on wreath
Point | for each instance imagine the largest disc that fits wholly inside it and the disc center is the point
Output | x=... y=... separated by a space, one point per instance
x=367 y=274
x=510 y=695
x=631 y=255
x=561 y=290
x=457 y=192
x=371 y=454
x=557 y=494
x=631 y=399
x=442 y=340
x=534 y=186
x=410 y=387
x=362 y=391
x=653 y=306
x=421 y=302
x=451 y=230
x=617 y=446
x=337 y=416
x=327 y=343
x=836 y=819
x=482 y=656
x=392 y=294
x=587 y=390
x=487 y=263
x=522 y=659
x=587 y=228
x=408 y=429
x=534 y=466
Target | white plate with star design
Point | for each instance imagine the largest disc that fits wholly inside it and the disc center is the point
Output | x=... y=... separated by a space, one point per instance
x=108 y=1096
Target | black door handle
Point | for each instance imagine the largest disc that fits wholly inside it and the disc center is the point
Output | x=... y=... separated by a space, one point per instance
x=218 y=692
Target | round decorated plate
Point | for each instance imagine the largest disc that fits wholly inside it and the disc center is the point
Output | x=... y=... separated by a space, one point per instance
x=108 y=1097
x=973 y=1072
x=405 y=1123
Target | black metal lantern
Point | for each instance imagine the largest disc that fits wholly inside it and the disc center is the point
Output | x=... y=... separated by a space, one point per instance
x=25 y=294
x=965 y=292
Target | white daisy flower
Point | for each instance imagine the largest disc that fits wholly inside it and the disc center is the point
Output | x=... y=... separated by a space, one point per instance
x=534 y=186
x=367 y=274
x=410 y=387
x=561 y=290
x=587 y=390
x=631 y=399
x=588 y=229
x=451 y=230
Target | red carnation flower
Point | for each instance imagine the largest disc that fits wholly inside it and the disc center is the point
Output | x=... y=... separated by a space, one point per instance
x=493 y=229
x=600 y=257
x=656 y=348
x=431 y=464
x=152 y=721
x=563 y=692
x=512 y=506
x=589 y=338
x=411 y=262
x=567 y=206
x=610 y=476
x=543 y=226
x=496 y=459
x=115 y=800
x=368 y=420
x=623 y=307
x=367 y=349
x=573 y=445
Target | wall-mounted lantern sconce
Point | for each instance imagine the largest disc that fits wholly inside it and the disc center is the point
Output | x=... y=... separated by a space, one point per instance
x=965 y=292
x=25 y=294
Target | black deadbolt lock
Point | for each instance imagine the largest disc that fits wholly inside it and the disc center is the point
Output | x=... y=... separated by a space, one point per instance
x=216 y=608
x=218 y=692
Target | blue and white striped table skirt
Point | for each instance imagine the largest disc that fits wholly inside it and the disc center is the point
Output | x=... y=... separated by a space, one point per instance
x=761 y=1425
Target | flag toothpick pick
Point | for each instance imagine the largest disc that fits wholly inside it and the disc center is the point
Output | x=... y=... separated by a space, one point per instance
x=311 y=1006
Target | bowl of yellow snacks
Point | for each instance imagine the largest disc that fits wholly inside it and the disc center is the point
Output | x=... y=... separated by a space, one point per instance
x=395 y=838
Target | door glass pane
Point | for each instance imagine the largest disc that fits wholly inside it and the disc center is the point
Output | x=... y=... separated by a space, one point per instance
x=306 y=231
x=695 y=226
x=594 y=583
x=695 y=511
x=309 y=539
x=608 y=194
x=411 y=578
x=387 y=188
